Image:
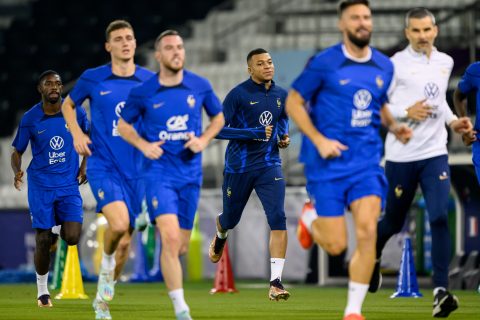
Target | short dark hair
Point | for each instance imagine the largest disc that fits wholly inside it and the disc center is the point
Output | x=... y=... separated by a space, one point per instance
x=418 y=13
x=164 y=34
x=344 y=4
x=116 y=25
x=254 y=52
x=45 y=74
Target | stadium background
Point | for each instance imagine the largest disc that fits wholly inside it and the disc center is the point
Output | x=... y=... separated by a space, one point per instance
x=68 y=36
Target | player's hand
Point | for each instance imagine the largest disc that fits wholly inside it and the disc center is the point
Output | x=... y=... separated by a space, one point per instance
x=268 y=132
x=152 y=150
x=419 y=111
x=462 y=125
x=284 y=142
x=18 y=180
x=469 y=137
x=82 y=176
x=330 y=149
x=81 y=142
x=402 y=132
x=195 y=144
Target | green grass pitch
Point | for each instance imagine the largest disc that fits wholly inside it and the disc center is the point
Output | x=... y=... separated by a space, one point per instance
x=150 y=301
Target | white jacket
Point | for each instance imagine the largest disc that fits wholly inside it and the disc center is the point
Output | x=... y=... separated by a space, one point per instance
x=417 y=77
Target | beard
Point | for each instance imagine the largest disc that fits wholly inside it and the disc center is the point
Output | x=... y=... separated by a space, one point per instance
x=359 y=42
x=173 y=67
x=53 y=100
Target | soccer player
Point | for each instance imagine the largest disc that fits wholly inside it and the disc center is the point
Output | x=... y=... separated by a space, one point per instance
x=345 y=87
x=53 y=175
x=170 y=105
x=256 y=125
x=417 y=96
x=113 y=165
x=470 y=82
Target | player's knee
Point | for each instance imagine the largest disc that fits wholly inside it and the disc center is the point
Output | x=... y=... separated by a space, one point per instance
x=335 y=248
x=71 y=238
x=119 y=227
x=367 y=232
x=171 y=243
x=277 y=222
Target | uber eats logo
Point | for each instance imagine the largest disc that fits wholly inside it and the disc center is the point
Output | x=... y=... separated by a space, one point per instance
x=56 y=143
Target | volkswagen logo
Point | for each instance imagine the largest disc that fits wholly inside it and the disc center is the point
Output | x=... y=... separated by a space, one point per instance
x=431 y=90
x=119 y=107
x=56 y=143
x=362 y=99
x=265 y=118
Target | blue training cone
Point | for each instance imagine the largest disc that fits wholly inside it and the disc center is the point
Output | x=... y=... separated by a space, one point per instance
x=407 y=286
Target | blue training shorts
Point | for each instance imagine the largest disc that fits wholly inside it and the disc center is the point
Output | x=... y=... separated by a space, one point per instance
x=50 y=207
x=269 y=185
x=108 y=188
x=165 y=197
x=332 y=197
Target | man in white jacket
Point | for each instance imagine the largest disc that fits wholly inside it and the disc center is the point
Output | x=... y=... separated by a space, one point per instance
x=417 y=96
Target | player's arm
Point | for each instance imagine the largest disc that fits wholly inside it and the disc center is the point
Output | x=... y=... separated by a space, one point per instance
x=284 y=138
x=459 y=125
x=295 y=109
x=82 y=172
x=401 y=131
x=198 y=144
x=229 y=133
x=460 y=102
x=151 y=150
x=16 y=163
x=80 y=139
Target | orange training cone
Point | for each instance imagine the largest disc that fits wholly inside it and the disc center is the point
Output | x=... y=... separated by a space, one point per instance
x=72 y=285
x=224 y=281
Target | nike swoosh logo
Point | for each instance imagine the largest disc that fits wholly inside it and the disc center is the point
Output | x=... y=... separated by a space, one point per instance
x=276 y=179
x=158 y=105
x=344 y=81
x=40 y=132
x=102 y=93
x=253 y=102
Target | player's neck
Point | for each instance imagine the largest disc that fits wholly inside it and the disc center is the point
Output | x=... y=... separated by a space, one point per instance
x=123 y=68
x=51 y=109
x=267 y=84
x=356 y=51
x=170 y=78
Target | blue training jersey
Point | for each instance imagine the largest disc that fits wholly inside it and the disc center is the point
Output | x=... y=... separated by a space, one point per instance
x=248 y=109
x=470 y=82
x=55 y=162
x=107 y=94
x=345 y=98
x=171 y=114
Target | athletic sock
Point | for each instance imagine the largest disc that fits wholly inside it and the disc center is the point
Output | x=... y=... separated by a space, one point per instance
x=178 y=300
x=108 y=261
x=42 y=285
x=276 y=268
x=356 y=295
x=221 y=235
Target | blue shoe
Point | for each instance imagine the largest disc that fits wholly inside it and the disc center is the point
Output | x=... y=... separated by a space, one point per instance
x=184 y=315
x=106 y=285
x=102 y=312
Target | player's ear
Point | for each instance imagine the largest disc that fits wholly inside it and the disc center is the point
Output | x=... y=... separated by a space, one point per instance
x=39 y=88
x=249 y=70
x=108 y=47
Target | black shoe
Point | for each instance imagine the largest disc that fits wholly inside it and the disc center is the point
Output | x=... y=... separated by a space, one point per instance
x=376 y=279
x=444 y=303
x=44 y=301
